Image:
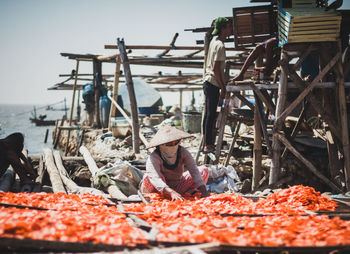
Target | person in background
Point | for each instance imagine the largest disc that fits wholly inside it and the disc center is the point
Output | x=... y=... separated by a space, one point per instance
x=171 y=169
x=11 y=154
x=269 y=49
x=214 y=80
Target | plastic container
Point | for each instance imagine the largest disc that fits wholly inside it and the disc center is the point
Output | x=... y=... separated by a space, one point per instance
x=105 y=106
x=120 y=127
x=191 y=122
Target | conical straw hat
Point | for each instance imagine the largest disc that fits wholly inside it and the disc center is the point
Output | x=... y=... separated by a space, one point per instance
x=167 y=134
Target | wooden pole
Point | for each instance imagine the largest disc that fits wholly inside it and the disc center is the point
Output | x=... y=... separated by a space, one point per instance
x=343 y=120
x=132 y=97
x=72 y=107
x=276 y=146
x=46 y=135
x=97 y=66
x=115 y=90
x=74 y=91
x=56 y=181
x=307 y=163
x=257 y=153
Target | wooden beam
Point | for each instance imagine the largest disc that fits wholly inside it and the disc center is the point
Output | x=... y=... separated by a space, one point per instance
x=160 y=47
x=132 y=97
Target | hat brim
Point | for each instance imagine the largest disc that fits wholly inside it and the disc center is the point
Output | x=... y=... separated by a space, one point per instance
x=167 y=134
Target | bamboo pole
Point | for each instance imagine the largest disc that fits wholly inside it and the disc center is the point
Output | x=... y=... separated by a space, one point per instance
x=55 y=178
x=343 y=120
x=115 y=90
x=132 y=97
x=276 y=146
x=307 y=163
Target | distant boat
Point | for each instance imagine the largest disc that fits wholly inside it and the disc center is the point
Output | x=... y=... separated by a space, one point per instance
x=39 y=122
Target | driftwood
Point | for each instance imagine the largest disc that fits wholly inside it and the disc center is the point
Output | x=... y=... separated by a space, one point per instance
x=69 y=183
x=55 y=178
x=7 y=180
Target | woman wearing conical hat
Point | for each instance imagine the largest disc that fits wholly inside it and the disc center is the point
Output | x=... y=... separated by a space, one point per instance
x=170 y=168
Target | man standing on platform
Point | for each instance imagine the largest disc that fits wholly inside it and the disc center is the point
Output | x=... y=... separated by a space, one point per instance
x=214 y=80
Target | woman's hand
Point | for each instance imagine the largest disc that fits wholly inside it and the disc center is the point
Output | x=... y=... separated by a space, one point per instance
x=173 y=195
x=204 y=192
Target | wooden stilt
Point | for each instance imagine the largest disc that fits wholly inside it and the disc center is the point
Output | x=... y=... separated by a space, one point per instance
x=257 y=150
x=262 y=122
x=132 y=97
x=74 y=91
x=276 y=146
x=344 y=121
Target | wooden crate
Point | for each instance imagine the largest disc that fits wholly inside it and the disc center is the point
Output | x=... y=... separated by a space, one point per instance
x=308 y=25
x=252 y=25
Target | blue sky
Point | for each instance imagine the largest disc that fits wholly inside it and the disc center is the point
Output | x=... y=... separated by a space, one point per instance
x=35 y=32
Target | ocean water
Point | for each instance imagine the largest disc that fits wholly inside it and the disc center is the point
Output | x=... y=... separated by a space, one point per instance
x=15 y=118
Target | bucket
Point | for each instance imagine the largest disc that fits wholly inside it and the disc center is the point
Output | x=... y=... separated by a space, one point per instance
x=191 y=122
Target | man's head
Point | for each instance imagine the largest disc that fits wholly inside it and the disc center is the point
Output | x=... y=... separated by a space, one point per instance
x=221 y=25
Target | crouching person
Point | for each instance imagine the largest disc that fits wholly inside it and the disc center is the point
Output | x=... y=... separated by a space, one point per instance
x=170 y=168
x=11 y=154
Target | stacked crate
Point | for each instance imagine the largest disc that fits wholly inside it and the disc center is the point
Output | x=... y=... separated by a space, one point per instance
x=306 y=23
